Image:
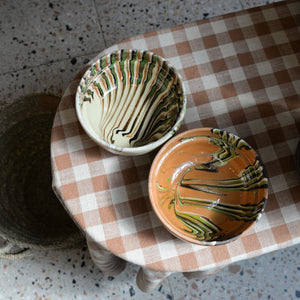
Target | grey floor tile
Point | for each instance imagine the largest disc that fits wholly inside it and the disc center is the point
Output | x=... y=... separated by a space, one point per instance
x=69 y=274
x=224 y=7
x=121 y=19
x=254 y=3
x=38 y=32
x=271 y=276
x=52 y=77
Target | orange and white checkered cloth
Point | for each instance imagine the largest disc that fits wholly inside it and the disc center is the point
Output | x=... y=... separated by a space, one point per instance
x=242 y=74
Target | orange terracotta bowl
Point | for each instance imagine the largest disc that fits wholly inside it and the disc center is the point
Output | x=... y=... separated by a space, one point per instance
x=207 y=186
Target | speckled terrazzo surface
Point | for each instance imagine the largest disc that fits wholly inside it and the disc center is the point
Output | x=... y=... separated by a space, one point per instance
x=72 y=275
x=44 y=44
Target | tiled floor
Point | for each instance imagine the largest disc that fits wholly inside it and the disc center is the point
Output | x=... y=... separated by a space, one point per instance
x=43 y=45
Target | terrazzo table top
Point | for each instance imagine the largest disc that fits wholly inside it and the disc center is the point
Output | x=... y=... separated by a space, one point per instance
x=241 y=72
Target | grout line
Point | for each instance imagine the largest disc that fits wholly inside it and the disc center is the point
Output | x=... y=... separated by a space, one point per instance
x=170 y=287
x=99 y=22
x=242 y=4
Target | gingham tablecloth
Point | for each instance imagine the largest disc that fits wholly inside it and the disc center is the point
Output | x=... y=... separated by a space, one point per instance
x=241 y=72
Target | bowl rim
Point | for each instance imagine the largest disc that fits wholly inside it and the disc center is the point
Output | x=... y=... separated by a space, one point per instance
x=131 y=150
x=158 y=161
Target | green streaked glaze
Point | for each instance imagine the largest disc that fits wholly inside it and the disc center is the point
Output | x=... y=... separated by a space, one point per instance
x=248 y=180
x=140 y=94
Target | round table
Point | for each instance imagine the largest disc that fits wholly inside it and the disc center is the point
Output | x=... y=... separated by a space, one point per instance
x=241 y=76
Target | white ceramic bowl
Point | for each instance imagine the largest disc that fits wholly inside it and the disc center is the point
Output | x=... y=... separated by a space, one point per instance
x=130 y=101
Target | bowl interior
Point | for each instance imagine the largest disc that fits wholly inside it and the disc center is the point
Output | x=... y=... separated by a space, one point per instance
x=130 y=98
x=207 y=186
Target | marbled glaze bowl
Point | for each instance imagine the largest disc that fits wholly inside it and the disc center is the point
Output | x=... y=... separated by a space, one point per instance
x=207 y=186
x=130 y=102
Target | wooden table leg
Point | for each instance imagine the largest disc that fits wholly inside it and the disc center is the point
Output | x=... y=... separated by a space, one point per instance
x=147 y=280
x=108 y=263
